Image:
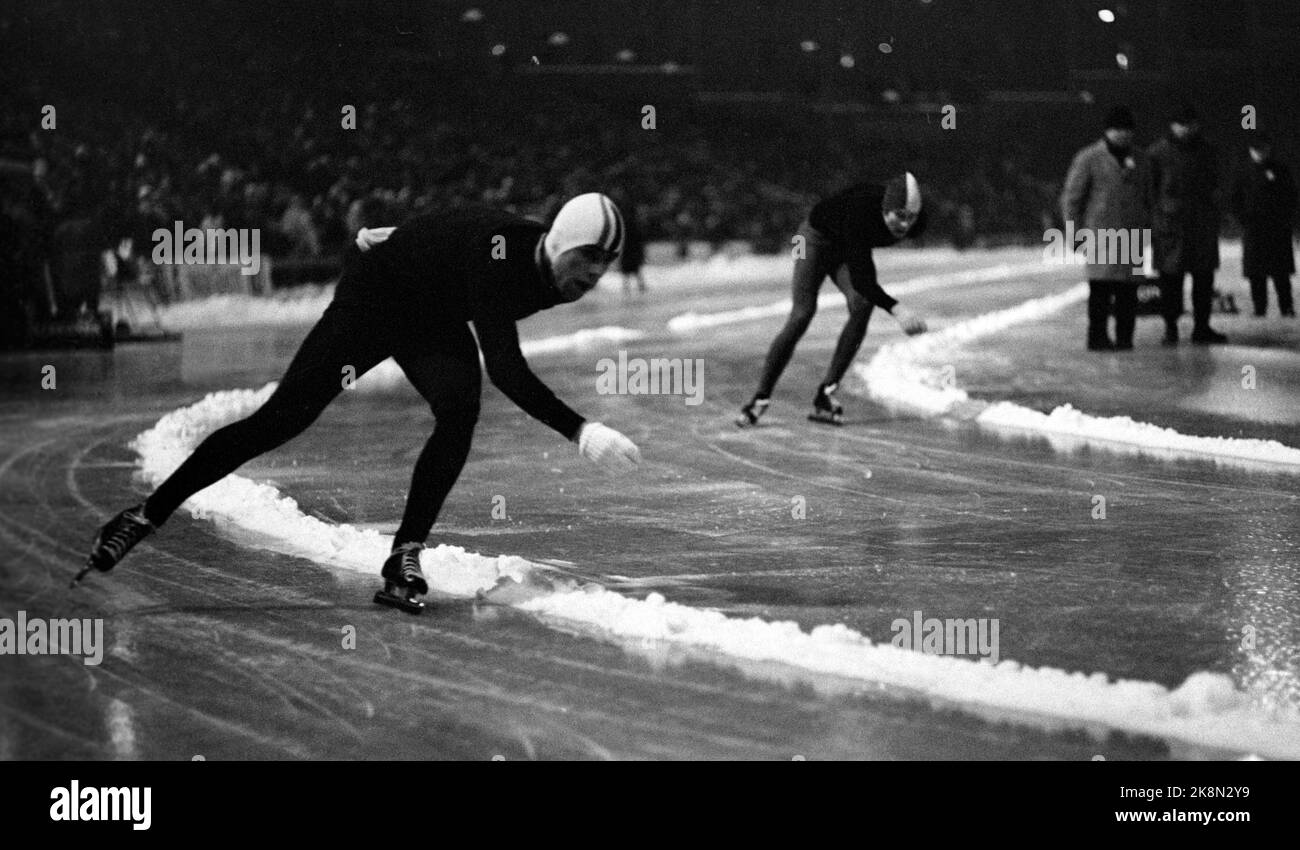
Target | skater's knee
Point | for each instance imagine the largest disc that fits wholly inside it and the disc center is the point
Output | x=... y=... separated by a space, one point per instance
x=456 y=413
x=799 y=319
x=859 y=309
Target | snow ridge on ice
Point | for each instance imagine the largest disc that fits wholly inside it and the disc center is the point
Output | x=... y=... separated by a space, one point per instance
x=896 y=377
x=1206 y=710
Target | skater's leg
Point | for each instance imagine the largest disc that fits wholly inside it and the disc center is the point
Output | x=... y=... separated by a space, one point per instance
x=808 y=276
x=1259 y=293
x=449 y=378
x=342 y=338
x=855 y=329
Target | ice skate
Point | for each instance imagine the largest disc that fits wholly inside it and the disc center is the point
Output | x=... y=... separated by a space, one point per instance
x=115 y=539
x=403 y=579
x=752 y=412
x=826 y=409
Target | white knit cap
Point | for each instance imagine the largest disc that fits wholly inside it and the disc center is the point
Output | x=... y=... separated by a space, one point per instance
x=590 y=219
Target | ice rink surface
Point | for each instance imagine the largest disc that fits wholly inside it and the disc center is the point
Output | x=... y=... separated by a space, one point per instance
x=222 y=643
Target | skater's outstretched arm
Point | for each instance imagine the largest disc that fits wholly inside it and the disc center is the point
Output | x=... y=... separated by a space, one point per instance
x=862 y=274
x=498 y=338
x=499 y=341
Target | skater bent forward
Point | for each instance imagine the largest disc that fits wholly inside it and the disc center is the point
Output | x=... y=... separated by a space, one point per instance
x=837 y=240
x=409 y=293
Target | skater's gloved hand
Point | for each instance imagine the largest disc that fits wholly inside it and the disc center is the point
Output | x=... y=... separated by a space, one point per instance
x=369 y=237
x=911 y=323
x=607 y=447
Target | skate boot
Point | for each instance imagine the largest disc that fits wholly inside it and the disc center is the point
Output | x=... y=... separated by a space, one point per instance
x=115 y=539
x=826 y=409
x=403 y=579
x=750 y=413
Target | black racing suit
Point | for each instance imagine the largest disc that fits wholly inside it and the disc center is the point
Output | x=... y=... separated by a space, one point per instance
x=837 y=240
x=409 y=298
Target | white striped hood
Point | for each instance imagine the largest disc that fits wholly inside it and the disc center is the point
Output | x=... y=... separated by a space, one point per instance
x=590 y=219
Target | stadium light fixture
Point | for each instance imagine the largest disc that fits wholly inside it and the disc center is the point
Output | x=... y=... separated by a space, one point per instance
x=559 y=39
x=1121 y=59
x=847 y=61
x=1106 y=15
x=808 y=46
x=626 y=55
x=472 y=15
x=498 y=49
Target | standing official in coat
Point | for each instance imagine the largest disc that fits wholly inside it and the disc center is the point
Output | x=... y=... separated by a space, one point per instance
x=1264 y=202
x=1106 y=190
x=1185 y=223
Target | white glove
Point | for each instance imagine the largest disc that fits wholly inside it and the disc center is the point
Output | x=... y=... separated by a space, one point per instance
x=607 y=447
x=369 y=237
x=911 y=323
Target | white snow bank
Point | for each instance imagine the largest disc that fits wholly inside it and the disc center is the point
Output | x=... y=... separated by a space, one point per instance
x=305 y=304
x=1065 y=421
x=896 y=377
x=298 y=306
x=1206 y=711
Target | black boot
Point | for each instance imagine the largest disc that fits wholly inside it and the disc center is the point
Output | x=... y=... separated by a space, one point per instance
x=403 y=579
x=1206 y=335
x=403 y=567
x=118 y=536
x=752 y=412
x=826 y=408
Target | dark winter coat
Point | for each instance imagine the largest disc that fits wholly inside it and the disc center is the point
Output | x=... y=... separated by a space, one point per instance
x=1184 y=206
x=1101 y=193
x=1264 y=201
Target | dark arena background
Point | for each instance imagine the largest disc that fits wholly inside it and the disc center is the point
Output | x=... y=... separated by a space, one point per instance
x=1049 y=509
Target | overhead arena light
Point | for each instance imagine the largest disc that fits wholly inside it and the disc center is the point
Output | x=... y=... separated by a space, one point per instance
x=559 y=39
x=1106 y=15
x=472 y=15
